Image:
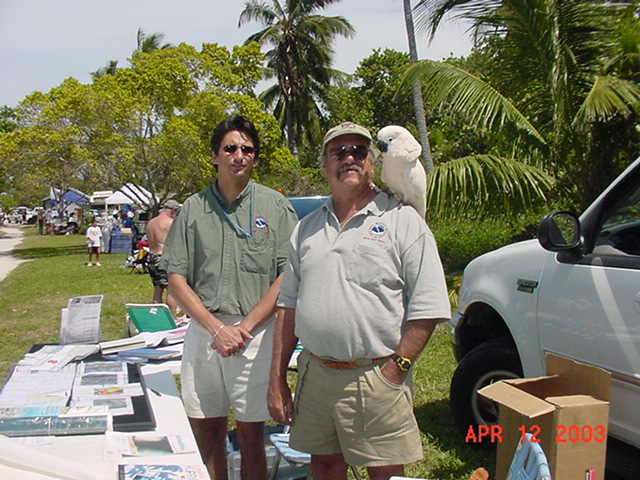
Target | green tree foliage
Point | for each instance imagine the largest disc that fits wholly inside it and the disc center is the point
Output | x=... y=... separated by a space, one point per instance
x=7 y=119
x=562 y=88
x=8 y=123
x=147 y=124
x=300 y=59
x=373 y=97
x=146 y=44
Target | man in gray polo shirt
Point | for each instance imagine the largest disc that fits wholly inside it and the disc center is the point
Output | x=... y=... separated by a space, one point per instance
x=225 y=253
x=363 y=291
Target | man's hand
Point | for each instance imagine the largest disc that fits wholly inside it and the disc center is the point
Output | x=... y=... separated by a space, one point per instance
x=392 y=373
x=280 y=402
x=230 y=340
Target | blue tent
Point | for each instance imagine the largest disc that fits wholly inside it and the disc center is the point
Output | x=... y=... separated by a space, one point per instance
x=71 y=196
x=74 y=197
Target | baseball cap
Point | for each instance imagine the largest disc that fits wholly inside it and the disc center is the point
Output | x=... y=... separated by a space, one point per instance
x=171 y=205
x=345 y=128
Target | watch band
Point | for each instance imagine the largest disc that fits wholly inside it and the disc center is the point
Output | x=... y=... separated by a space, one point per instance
x=403 y=363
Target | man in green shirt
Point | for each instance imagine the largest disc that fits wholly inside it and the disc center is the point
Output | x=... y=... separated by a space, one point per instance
x=225 y=253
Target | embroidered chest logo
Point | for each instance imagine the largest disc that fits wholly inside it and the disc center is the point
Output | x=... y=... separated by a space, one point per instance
x=377 y=232
x=378 y=229
x=260 y=225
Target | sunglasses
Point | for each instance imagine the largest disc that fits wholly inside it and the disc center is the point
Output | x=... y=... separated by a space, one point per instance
x=245 y=149
x=358 y=152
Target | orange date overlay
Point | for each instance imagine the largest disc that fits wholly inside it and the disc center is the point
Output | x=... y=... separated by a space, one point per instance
x=564 y=434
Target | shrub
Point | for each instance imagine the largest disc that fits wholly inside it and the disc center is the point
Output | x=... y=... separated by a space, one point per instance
x=461 y=239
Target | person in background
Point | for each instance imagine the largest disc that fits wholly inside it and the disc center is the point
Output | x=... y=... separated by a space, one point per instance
x=94 y=240
x=156 y=233
x=225 y=253
x=50 y=221
x=108 y=224
x=40 y=220
x=377 y=262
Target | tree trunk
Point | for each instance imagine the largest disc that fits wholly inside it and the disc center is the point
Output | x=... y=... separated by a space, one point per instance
x=418 y=104
x=291 y=140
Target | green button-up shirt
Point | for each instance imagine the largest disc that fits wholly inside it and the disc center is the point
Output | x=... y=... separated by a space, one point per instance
x=230 y=253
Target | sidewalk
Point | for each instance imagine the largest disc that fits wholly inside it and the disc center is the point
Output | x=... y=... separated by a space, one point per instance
x=12 y=237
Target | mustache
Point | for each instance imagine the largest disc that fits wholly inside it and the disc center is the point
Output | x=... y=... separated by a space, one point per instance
x=346 y=168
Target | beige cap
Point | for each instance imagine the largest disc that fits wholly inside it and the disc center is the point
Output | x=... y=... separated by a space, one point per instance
x=345 y=128
x=171 y=205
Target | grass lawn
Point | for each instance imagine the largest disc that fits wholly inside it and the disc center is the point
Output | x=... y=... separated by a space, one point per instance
x=32 y=295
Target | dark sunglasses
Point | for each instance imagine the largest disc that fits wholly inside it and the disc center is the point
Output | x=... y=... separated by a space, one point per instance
x=358 y=152
x=245 y=149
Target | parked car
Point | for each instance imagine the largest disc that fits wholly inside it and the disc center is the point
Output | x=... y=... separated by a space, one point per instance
x=305 y=205
x=575 y=291
x=19 y=215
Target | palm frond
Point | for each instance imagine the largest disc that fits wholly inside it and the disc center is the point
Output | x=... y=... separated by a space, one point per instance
x=431 y=13
x=468 y=94
x=488 y=182
x=609 y=96
x=260 y=12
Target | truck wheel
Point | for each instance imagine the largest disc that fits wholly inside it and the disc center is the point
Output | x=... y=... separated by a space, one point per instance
x=489 y=362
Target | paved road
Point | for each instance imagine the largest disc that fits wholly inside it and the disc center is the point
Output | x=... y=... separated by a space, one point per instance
x=12 y=237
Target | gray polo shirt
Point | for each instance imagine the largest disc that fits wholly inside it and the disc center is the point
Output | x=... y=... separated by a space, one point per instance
x=230 y=253
x=354 y=287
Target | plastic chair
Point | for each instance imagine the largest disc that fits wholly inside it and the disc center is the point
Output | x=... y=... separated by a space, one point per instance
x=529 y=462
x=148 y=317
x=294 y=457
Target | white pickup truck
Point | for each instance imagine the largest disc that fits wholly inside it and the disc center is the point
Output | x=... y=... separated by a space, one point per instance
x=575 y=291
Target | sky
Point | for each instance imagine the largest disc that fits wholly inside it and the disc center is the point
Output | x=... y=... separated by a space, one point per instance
x=43 y=42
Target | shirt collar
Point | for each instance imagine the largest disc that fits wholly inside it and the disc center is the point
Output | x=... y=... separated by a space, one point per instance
x=380 y=204
x=246 y=191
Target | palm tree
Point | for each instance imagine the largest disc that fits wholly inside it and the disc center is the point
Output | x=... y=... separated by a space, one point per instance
x=146 y=44
x=418 y=104
x=110 y=69
x=150 y=43
x=300 y=59
x=568 y=80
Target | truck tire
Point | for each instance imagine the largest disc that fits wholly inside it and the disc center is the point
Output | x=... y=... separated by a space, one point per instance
x=489 y=362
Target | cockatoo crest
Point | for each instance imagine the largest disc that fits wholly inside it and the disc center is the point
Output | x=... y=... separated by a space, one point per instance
x=402 y=170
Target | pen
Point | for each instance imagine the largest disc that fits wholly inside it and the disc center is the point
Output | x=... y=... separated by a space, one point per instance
x=156 y=392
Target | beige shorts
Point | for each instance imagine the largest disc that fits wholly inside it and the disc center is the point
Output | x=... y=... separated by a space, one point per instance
x=212 y=384
x=356 y=412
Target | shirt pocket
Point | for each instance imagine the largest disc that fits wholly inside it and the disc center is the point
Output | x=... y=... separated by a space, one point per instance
x=258 y=257
x=368 y=266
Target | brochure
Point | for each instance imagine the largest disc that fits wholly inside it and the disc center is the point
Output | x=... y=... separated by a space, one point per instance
x=135 y=444
x=162 y=472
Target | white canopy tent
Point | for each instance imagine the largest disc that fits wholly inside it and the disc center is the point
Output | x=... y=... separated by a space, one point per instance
x=130 y=194
x=117 y=198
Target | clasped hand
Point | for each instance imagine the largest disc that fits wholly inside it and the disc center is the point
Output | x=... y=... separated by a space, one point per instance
x=230 y=340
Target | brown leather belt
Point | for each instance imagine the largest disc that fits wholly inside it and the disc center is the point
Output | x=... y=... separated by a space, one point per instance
x=341 y=365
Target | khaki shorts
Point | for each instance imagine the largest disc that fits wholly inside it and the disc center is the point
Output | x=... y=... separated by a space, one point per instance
x=356 y=412
x=212 y=384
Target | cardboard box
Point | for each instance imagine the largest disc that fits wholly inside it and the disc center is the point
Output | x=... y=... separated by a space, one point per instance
x=568 y=411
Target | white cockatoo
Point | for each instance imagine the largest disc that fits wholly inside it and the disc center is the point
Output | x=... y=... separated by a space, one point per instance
x=402 y=170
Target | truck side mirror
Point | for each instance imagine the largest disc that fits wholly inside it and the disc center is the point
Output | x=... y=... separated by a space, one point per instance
x=559 y=230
